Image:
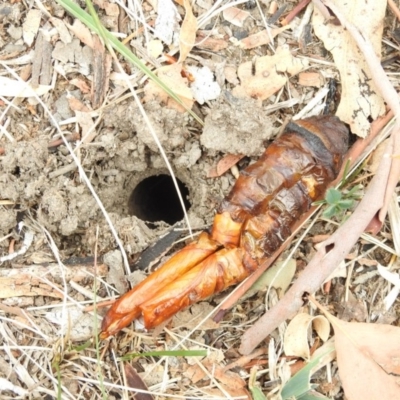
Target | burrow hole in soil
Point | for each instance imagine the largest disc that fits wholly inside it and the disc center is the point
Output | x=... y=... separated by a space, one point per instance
x=155 y=199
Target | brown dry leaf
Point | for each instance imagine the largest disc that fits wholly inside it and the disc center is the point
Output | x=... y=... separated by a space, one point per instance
x=296 y=335
x=260 y=38
x=235 y=16
x=81 y=32
x=224 y=165
x=360 y=99
x=269 y=74
x=230 y=381
x=135 y=381
x=367 y=356
x=353 y=309
x=80 y=84
x=187 y=36
x=77 y=105
x=171 y=76
x=205 y=42
x=311 y=79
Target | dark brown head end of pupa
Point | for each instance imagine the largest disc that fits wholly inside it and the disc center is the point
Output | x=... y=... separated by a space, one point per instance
x=326 y=135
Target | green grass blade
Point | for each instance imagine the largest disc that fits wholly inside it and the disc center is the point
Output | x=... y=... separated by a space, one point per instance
x=167 y=353
x=88 y=20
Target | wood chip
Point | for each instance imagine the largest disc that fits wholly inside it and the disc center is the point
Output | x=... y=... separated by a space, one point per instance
x=311 y=79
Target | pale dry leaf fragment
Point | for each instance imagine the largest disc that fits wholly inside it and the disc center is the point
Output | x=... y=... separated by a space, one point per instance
x=80 y=84
x=167 y=22
x=78 y=324
x=204 y=87
x=394 y=279
x=279 y=276
x=87 y=126
x=155 y=48
x=62 y=30
x=394 y=218
x=235 y=16
x=230 y=75
x=360 y=99
x=367 y=356
x=260 y=38
x=31 y=26
x=82 y=32
x=295 y=342
x=210 y=43
x=13 y=88
x=269 y=75
x=171 y=76
x=111 y=9
x=187 y=35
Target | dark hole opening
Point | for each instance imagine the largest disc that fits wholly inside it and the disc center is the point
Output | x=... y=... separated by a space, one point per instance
x=155 y=199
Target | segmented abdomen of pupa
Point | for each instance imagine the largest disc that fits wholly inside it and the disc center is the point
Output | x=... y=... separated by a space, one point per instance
x=295 y=169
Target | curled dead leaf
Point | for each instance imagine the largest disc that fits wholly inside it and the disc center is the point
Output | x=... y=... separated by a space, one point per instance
x=224 y=164
x=187 y=36
x=296 y=336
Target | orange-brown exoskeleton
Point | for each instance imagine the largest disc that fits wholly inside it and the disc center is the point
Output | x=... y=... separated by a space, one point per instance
x=252 y=222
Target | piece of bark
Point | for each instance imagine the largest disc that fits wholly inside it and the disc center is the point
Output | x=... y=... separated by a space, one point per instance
x=41 y=67
x=101 y=72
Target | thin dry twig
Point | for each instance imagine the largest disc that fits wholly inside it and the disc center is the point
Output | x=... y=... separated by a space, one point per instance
x=296 y=10
x=394 y=8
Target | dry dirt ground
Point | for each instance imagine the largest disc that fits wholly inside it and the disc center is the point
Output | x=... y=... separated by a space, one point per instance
x=42 y=188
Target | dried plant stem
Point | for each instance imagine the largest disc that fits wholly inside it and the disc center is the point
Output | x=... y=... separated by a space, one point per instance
x=394 y=8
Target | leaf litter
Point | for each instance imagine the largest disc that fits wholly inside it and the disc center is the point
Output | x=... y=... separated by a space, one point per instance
x=251 y=70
